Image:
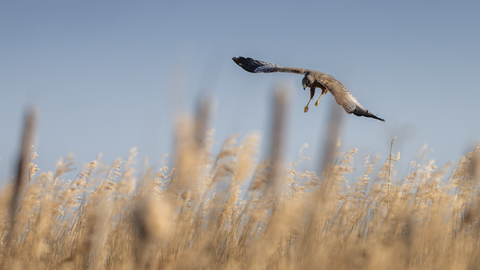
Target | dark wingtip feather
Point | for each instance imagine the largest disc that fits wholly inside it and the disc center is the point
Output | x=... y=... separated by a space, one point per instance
x=248 y=64
x=378 y=118
x=369 y=114
x=362 y=112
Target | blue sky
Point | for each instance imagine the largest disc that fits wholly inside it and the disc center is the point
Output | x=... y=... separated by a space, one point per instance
x=108 y=76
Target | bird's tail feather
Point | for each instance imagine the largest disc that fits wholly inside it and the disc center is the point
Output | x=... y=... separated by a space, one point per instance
x=363 y=112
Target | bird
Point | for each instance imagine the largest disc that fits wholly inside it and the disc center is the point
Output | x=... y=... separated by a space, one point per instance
x=313 y=79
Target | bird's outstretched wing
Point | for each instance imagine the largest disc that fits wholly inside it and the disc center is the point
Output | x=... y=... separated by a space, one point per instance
x=346 y=100
x=256 y=66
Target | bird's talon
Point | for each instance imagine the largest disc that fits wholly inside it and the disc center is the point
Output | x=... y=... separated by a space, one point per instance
x=316 y=104
x=306 y=109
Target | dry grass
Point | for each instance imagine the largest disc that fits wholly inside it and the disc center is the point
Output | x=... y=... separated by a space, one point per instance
x=196 y=215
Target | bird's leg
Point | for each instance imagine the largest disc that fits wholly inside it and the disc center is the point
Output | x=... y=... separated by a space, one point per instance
x=312 y=93
x=323 y=93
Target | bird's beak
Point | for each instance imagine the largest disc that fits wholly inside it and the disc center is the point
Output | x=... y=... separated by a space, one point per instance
x=304 y=88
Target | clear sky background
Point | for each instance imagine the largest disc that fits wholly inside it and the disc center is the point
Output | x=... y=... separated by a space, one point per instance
x=107 y=76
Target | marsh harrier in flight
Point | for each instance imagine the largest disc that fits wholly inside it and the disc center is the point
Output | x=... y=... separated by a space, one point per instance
x=313 y=79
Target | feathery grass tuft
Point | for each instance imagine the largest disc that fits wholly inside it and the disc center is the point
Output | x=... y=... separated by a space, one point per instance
x=218 y=211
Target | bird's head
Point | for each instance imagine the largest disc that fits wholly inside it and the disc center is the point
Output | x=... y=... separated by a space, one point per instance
x=305 y=82
x=308 y=81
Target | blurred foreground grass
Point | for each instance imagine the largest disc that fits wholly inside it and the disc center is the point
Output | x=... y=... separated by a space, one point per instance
x=195 y=215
